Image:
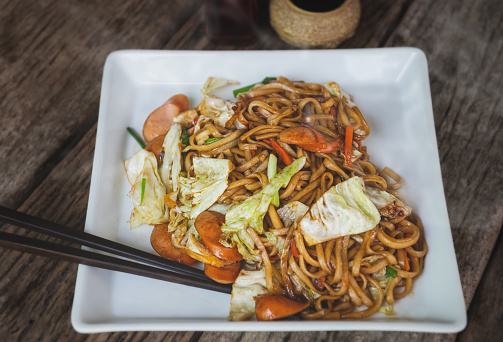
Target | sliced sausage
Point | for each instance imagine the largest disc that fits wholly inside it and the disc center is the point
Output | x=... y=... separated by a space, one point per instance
x=160 y=120
x=224 y=275
x=180 y=100
x=208 y=225
x=271 y=306
x=160 y=239
x=310 y=139
x=155 y=146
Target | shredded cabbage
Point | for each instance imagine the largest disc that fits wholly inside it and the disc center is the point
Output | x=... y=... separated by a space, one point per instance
x=251 y=212
x=343 y=210
x=208 y=185
x=248 y=285
x=152 y=210
x=172 y=165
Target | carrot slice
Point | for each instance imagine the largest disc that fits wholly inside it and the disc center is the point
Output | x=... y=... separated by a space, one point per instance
x=284 y=156
x=407 y=266
x=295 y=251
x=347 y=146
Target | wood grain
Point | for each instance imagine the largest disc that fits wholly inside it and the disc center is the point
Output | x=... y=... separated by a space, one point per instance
x=51 y=61
x=468 y=119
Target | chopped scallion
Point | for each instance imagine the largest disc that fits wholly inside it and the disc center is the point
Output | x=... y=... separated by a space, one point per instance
x=136 y=137
x=391 y=272
x=143 y=183
x=342 y=178
x=244 y=89
x=212 y=140
x=185 y=138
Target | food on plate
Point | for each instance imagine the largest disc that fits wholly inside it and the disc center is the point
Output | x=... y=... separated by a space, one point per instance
x=160 y=239
x=275 y=193
x=160 y=120
x=155 y=146
x=272 y=306
x=226 y=274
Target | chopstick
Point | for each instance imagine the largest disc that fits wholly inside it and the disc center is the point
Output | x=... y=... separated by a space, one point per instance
x=164 y=269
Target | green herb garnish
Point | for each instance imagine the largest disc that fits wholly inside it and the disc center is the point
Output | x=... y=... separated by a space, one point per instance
x=342 y=178
x=143 y=183
x=391 y=272
x=185 y=138
x=244 y=89
x=136 y=137
x=212 y=140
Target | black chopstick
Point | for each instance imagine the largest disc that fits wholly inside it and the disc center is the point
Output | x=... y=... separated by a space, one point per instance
x=177 y=271
x=81 y=256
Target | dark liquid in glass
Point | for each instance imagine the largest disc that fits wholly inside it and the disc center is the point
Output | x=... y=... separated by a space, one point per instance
x=230 y=19
x=318 y=5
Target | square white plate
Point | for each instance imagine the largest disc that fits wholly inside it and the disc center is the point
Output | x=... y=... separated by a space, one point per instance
x=391 y=88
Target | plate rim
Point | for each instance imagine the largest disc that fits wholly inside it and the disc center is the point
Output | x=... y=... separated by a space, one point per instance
x=218 y=325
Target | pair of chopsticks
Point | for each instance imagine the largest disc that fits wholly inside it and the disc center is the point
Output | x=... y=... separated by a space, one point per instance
x=147 y=265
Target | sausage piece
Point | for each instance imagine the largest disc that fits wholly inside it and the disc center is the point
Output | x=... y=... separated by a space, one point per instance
x=223 y=275
x=309 y=139
x=160 y=239
x=155 y=146
x=208 y=225
x=160 y=120
x=270 y=306
x=180 y=100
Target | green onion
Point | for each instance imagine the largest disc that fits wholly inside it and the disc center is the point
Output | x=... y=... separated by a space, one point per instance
x=212 y=140
x=244 y=89
x=342 y=178
x=391 y=272
x=185 y=138
x=136 y=136
x=143 y=183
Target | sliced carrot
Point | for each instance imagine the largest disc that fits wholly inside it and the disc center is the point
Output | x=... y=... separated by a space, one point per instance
x=295 y=251
x=407 y=266
x=347 y=146
x=253 y=153
x=284 y=156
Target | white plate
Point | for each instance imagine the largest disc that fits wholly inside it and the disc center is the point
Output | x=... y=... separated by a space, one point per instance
x=391 y=88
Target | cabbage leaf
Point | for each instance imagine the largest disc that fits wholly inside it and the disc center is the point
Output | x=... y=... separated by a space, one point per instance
x=152 y=210
x=246 y=287
x=172 y=163
x=207 y=185
x=251 y=212
x=343 y=210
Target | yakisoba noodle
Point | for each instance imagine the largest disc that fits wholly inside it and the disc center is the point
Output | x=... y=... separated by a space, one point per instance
x=339 y=271
x=304 y=139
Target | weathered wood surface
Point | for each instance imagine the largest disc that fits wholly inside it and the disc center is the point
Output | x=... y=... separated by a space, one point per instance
x=51 y=62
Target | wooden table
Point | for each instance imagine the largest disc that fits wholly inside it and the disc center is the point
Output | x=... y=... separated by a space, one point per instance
x=51 y=62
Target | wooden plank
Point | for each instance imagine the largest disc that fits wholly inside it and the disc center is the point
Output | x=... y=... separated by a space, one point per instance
x=468 y=120
x=485 y=311
x=50 y=74
x=51 y=58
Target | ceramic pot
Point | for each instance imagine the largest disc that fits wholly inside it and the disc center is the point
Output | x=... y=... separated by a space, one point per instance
x=306 y=29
